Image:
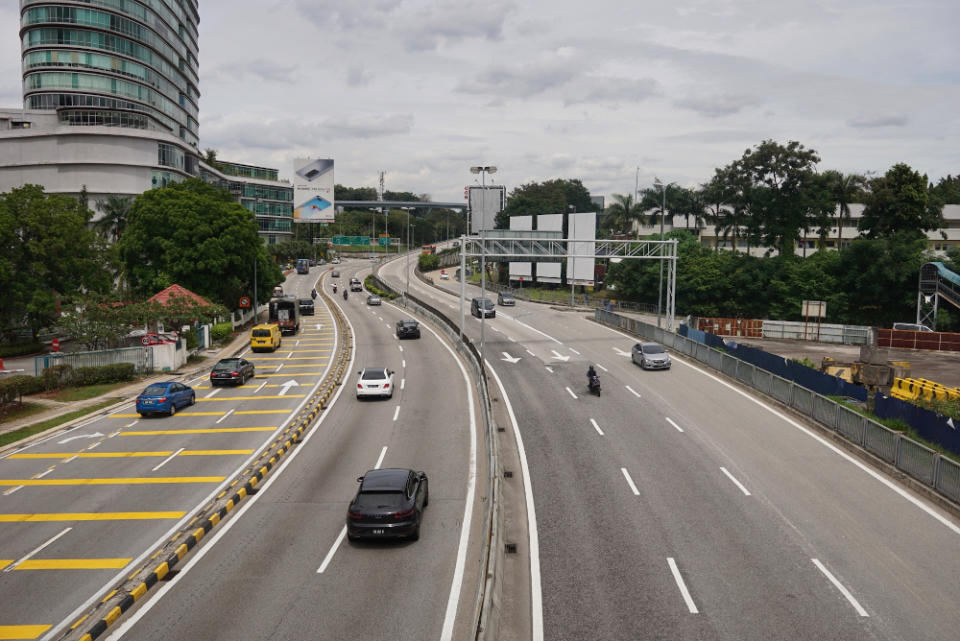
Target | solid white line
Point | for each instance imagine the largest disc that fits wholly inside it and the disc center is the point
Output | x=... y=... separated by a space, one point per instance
x=570 y=391
x=596 y=427
x=601 y=367
x=213 y=393
x=735 y=481
x=35 y=550
x=536 y=589
x=531 y=353
x=333 y=550
x=224 y=417
x=383 y=453
x=633 y=391
x=633 y=487
x=833 y=448
x=844 y=591
x=167 y=460
x=574 y=351
x=396 y=413
x=548 y=368
x=691 y=606
x=262 y=385
x=670 y=420
x=511 y=339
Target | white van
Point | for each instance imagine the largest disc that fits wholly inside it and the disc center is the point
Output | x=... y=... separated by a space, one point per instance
x=912 y=327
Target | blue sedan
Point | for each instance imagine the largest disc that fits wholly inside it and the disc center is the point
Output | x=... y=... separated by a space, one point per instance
x=165 y=398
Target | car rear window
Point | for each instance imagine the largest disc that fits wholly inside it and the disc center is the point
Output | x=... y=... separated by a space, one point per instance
x=375 y=500
x=306 y=301
x=261 y=333
x=222 y=365
x=155 y=390
x=373 y=374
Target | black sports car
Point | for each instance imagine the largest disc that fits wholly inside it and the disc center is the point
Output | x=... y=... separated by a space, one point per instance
x=408 y=329
x=388 y=504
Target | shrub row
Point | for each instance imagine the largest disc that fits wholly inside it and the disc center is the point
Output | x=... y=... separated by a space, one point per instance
x=20 y=349
x=59 y=376
x=221 y=331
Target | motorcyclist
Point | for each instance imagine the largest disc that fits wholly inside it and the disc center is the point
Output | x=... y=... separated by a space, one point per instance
x=344 y=294
x=334 y=288
x=591 y=373
x=313 y=294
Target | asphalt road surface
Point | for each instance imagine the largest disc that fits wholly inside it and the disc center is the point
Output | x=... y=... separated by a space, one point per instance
x=677 y=506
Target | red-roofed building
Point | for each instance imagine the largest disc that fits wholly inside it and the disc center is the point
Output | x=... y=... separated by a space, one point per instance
x=176 y=291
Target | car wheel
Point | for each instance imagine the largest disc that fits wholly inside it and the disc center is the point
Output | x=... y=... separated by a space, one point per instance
x=142 y=414
x=351 y=538
x=193 y=399
x=173 y=408
x=416 y=534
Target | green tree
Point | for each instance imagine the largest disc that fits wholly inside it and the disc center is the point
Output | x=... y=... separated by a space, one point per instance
x=115 y=210
x=845 y=189
x=900 y=202
x=48 y=254
x=948 y=190
x=621 y=215
x=195 y=235
x=547 y=197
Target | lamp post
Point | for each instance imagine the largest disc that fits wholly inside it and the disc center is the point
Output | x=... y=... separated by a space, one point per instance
x=663 y=214
x=483 y=170
x=407 y=266
x=573 y=260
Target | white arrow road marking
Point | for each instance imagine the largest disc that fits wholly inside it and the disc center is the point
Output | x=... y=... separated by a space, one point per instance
x=319 y=325
x=73 y=438
x=286 y=387
x=510 y=359
x=559 y=357
x=620 y=352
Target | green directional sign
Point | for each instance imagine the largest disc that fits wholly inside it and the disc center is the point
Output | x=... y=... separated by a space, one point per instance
x=351 y=240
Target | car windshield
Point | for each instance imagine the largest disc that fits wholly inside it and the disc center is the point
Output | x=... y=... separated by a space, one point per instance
x=408 y=323
x=373 y=374
x=652 y=349
x=374 y=500
x=486 y=303
x=155 y=390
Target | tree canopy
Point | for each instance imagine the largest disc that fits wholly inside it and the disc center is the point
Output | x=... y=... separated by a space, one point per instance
x=547 y=197
x=900 y=202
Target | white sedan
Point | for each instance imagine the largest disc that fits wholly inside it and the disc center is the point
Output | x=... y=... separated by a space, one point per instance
x=375 y=381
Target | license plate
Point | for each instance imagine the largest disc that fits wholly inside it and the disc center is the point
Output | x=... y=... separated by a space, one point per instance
x=378 y=531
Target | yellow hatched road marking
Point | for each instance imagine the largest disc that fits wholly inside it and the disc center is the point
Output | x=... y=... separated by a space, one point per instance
x=158 y=480
x=211 y=430
x=288 y=367
x=248 y=398
x=129 y=454
x=5 y=562
x=73 y=564
x=88 y=516
x=262 y=412
x=22 y=631
x=179 y=414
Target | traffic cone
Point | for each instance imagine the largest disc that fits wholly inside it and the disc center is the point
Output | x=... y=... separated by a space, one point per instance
x=1 y=365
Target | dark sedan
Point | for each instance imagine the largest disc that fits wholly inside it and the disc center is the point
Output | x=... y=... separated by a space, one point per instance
x=389 y=504
x=306 y=307
x=408 y=329
x=165 y=398
x=234 y=371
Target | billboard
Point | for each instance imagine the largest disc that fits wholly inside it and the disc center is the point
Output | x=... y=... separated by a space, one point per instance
x=581 y=227
x=549 y=272
x=522 y=270
x=313 y=190
x=485 y=203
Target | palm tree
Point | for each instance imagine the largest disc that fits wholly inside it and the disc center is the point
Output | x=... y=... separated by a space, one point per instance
x=115 y=210
x=844 y=189
x=623 y=212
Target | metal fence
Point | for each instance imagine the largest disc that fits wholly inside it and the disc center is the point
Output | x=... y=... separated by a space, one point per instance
x=141 y=357
x=909 y=456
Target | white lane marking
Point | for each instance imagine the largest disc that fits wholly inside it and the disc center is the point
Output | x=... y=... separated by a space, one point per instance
x=12 y=490
x=601 y=367
x=262 y=385
x=691 y=606
x=836 y=450
x=633 y=486
x=42 y=474
x=115 y=433
x=633 y=391
x=531 y=353
x=671 y=421
x=596 y=427
x=71 y=458
x=574 y=351
x=533 y=535
x=213 y=392
x=570 y=391
x=36 y=549
x=383 y=453
x=297 y=344
x=403 y=363
x=396 y=413
x=511 y=339
x=532 y=329
x=548 y=368
x=843 y=590
x=168 y=459
x=735 y=481
x=95 y=445
x=224 y=417
x=279 y=367
x=290 y=354
x=401 y=347
x=403 y=382
x=333 y=550
x=132 y=424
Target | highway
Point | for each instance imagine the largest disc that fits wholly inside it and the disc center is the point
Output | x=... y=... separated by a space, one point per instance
x=677 y=506
x=281 y=568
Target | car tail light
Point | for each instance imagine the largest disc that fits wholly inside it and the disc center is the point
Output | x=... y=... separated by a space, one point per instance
x=354 y=514
x=234 y=373
x=359 y=385
x=403 y=515
x=386 y=385
x=162 y=399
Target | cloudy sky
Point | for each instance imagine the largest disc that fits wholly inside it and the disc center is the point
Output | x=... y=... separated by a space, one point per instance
x=423 y=89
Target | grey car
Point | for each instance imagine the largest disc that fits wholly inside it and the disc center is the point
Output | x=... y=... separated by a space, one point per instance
x=650 y=356
x=506 y=299
x=373 y=299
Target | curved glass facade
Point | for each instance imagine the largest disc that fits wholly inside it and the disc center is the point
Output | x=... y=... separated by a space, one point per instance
x=93 y=62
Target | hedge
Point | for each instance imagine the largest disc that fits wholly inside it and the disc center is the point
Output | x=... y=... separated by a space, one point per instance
x=59 y=376
x=20 y=349
x=221 y=331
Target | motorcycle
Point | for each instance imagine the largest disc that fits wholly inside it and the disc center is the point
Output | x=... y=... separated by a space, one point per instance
x=313 y=294
x=594 y=385
x=334 y=289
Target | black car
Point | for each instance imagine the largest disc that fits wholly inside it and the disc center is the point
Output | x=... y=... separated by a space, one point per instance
x=231 y=370
x=389 y=503
x=306 y=307
x=408 y=329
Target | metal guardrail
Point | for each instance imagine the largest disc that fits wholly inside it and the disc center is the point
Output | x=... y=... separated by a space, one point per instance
x=914 y=459
x=141 y=357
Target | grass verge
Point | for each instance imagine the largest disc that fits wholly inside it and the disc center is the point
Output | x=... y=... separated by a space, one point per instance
x=36 y=428
x=15 y=412
x=70 y=394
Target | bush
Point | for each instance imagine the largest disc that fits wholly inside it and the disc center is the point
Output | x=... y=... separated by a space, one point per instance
x=20 y=349
x=60 y=376
x=56 y=377
x=428 y=262
x=191 y=338
x=116 y=373
x=13 y=387
x=221 y=331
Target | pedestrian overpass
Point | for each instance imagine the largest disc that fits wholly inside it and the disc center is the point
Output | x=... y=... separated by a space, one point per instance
x=936 y=282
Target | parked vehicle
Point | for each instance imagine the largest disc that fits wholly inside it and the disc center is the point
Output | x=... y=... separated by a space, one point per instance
x=232 y=370
x=650 y=356
x=484 y=304
x=913 y=327
x=285 y=312
x=408 y=328
x=265 y=338
x=388 y=503
x=165 y=398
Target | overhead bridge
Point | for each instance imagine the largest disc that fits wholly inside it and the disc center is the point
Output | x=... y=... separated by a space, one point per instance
x=936 y=282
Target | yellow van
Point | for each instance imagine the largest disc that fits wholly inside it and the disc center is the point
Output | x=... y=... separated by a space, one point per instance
x=264 y=338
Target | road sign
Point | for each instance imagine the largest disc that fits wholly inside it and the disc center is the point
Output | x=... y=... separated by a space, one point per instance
x=351 y=240
x=55 y=344
x=244 y=302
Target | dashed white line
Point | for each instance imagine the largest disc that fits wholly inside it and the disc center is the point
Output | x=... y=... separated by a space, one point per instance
x=12 y=490
x=71 y=458
x=396 y=413
x=548 y=368
x=403 y=382
x=42 y=474
x=570 y=391
x=403 y=363
x=601 y=367
x=333 y=550
x=511 y=339
x=13 y=566
x=401 y=347
x=131 y=424
x=574 y=351
x=168 y=459
x=383 y=453
x=596 y=427
x=670 y=420
x=844 y=591
x=213 y=393
x=691 y=606
x=224 y=417
x=290 y=355
x=531 y=353
x=735 y=481
x=633 y=391
x=95 y=445
x=633 y=486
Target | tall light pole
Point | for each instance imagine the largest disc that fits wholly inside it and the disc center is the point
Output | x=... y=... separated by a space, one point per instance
x=573 y=260
x=663 y=214
x=483 y=171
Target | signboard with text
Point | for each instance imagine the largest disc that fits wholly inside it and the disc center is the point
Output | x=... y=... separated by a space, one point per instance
x=313 y=200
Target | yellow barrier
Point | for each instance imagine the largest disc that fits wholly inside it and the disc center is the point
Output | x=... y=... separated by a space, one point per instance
x=913 y=389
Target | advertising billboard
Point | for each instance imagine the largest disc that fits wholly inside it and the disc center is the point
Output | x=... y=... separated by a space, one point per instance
x=549 y=272
x=485 y=203
x=313 y=200
x=521 y=270
x=581 y=228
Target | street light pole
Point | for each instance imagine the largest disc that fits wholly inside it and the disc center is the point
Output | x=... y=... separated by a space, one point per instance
x=483 y=171
x=663 y=213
